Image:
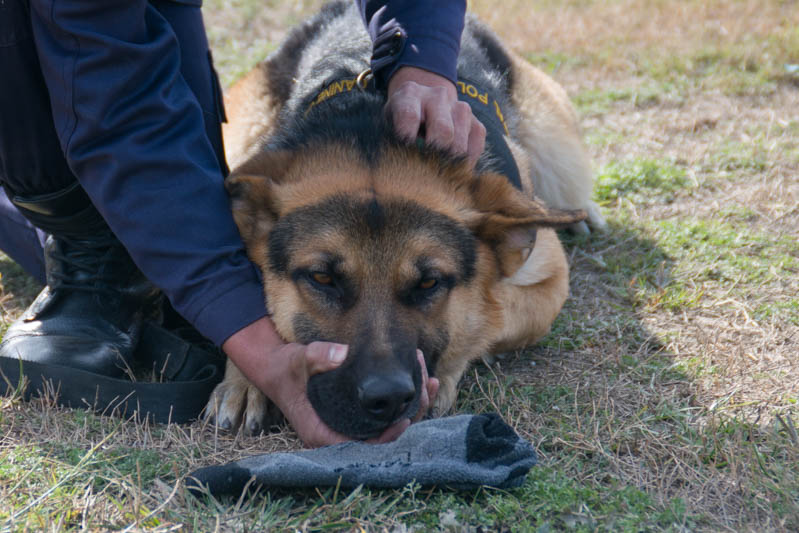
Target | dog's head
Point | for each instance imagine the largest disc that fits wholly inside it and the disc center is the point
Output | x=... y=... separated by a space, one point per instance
x=387 y=256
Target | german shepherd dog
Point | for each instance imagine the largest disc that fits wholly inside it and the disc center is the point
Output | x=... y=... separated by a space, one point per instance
x=388 y=246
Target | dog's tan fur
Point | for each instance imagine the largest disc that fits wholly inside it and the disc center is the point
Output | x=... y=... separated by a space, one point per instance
x=251 y=113
x=550 y=143
x=519 y=291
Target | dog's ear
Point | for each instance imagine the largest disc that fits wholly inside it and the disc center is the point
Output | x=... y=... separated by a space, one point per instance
x=509 y=219
x=251 y=188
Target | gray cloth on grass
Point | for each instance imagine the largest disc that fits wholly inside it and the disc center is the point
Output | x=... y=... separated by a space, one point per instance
x=462 y=452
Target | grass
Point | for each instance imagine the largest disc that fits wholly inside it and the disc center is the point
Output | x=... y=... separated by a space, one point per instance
x=665 y=396
x=639 y=181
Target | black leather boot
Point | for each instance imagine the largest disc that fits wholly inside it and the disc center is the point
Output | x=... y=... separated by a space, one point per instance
x=90 y=314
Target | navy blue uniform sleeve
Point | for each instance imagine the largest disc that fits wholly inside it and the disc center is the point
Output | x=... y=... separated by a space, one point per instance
x=423 y=34
x=134 y=135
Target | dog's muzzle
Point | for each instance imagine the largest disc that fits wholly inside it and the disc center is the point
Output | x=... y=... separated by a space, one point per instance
x=364 y=407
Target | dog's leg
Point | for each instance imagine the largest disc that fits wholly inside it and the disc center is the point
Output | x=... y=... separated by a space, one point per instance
x=236 y=402
x=251 y=111
x=528 y=301
x=450 y=375
x=532 y=297
x=550 y=137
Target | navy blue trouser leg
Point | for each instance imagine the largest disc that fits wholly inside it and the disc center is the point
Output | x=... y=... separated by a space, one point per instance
x=31 y=159
x=32 y=162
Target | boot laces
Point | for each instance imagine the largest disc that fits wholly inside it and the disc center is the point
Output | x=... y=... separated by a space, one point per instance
x=88 y=264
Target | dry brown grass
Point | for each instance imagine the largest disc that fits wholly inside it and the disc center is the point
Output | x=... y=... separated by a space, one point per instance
x=664 y=376
x=577 y=26
x=616 y=31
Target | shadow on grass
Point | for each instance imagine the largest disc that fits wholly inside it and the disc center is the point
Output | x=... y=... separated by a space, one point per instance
x=625 y=442
x=589 y=394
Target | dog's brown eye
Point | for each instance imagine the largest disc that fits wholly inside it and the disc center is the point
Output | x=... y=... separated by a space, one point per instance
x=322 y=278
x=427 y=283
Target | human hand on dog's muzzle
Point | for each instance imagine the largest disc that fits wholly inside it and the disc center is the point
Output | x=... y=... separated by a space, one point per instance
x=282 y=370
x=304 y=361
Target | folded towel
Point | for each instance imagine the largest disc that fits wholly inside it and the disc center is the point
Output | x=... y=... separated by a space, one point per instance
x=462 y=452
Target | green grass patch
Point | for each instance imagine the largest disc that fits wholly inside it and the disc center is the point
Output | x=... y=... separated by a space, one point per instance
x=139 y=464
x=598 y=102
x=786 y=311
x=44 y=483
x=733 y=159
x=696 y=259
x=553 y=61
x=752 y=66
x=573 y=331
x=732 y=70
x=676 y=264
x=642 y=181
x=40 y=490
x=559 y=503
x=728 y=251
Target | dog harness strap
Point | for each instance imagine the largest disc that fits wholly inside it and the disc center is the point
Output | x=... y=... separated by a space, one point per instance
x=487 y=110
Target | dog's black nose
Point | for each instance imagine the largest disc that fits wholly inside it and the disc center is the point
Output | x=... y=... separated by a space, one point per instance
x=386 y=397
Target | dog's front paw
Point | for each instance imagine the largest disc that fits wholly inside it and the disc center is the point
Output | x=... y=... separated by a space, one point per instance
x=237 y=403
x=445 y=398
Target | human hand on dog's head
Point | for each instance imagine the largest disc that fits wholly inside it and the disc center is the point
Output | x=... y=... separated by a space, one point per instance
x=417 y=97
x=281 y=370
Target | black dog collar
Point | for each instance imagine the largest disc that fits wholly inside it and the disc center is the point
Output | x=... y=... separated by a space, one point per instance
x=363 y=81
